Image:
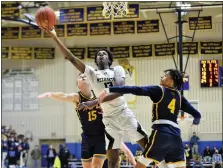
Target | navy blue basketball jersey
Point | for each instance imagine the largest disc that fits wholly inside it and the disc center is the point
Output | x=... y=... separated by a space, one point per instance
x=168 y=106
x=91 y=119
x=167 y=103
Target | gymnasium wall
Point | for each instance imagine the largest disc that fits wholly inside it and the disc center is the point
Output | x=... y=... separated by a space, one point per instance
x=60 y=75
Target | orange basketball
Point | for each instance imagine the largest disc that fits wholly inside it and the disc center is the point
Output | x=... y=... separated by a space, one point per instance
x=45 y=17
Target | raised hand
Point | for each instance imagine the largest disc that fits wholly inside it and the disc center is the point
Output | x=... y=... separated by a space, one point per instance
x=52 y=32
x=43 y=95
x=87 y=105
x=83 y=106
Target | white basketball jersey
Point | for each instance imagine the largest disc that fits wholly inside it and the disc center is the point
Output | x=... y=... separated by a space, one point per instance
x=101 y=79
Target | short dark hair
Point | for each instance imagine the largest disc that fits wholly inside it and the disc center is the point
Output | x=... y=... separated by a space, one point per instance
x=110 y=56
x=177 y=77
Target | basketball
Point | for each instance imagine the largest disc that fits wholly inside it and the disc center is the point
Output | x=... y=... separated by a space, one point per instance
x=45 y=17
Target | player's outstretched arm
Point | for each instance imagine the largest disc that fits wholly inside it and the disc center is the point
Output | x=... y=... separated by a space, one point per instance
x=66 y=52
x=188 y=108
x=111 y=96
x=72 y=97
x=154 y=92
x=88 y=104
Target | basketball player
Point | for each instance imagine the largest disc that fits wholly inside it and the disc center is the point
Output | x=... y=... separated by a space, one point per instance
x=165 y=142
x=116 y=115
x=93 y=140
x=93 y=152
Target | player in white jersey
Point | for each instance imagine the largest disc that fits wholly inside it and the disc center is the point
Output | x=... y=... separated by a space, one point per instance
x=117 y=118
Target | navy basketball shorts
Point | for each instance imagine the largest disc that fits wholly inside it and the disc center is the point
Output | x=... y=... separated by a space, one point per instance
x=93 y=146
x=165 y=146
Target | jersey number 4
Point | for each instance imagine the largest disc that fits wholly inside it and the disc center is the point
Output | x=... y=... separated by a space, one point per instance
x=92 y=115
x=171 y=105
x=108 y=84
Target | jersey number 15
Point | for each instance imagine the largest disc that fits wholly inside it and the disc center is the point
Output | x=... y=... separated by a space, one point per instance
x=92 y=115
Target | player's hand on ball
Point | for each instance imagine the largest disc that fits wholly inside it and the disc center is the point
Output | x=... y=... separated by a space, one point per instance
x=47 y=94
x=52 y=32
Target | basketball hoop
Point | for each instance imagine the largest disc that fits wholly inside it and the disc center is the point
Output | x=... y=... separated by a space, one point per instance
x=116 y=9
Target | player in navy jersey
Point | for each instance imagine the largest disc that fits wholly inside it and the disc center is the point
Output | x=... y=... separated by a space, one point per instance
x=93 y=147
x=164 y=142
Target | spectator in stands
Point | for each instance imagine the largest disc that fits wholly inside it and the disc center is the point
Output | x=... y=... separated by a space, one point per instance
x=11 y=142
x=18 y=146
x=216 y=160
x=25 y=150
x=194 y=143
x=4 y=150
x=12 y=157
x=221 y=152
x=207 y=155
x=57 y=163
x=64 y=155
x=197 y=160
x=188 y=154
x=36 y=154
x=213 y=151
x=50 y=155
x=207 y=151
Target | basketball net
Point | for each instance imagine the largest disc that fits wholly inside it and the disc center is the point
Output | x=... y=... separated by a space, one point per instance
x=116 y=9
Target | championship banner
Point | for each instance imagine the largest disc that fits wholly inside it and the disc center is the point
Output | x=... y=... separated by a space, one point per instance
x=211 y=47
x=189 y=46
x=77 y=29
x=203 y=22
x=30 y=32
x=21 y=52
x=147 y=26
x=44 y=53
x=165 y=49
x=100 y=29
x=10 y=9
x=10 y=32
x=120 y=52
x=130 y=80
x=78 y=52
x=142 y=51
x=125 y=27
x=68 y=15
x=94 y=13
